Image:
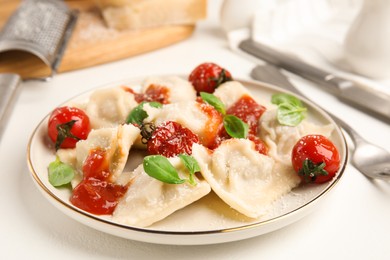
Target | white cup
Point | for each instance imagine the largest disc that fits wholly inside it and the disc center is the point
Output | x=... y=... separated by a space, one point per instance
x=237 y=14
x=367 y=43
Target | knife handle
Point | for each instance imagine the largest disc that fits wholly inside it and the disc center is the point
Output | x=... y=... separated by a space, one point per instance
x=9 y=88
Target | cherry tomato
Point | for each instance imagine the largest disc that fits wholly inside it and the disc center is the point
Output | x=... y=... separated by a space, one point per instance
x=315 y=158
x=67 y=125
x=171 y=139
x=208 y=76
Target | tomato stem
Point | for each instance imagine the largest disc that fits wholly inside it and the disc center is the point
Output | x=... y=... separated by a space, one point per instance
x=222 y=78
x=147 y=130
x=64 y=131
x=310 y=171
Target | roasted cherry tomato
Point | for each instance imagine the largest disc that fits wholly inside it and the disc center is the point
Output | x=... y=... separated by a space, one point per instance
x=208 y=76
x=68 y=125
x=315 y=158
x=169 y=139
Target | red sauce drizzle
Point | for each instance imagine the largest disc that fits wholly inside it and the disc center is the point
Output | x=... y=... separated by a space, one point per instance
x=171 y=139
x=155 y=93
x=213 y=125
x=249 y=111
x=96 y=193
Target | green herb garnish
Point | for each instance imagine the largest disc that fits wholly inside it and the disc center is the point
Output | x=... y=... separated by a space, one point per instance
x=160 y=168
x=138 y=114
x=233 y=125
x=60 y=173
x=214 y=101
x=290 y=109
x=192 y=165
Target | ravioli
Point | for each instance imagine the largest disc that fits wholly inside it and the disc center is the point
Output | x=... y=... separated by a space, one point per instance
x=116 y=141
x=68 y=156
x=280 y=139
x=178 y=89
x=202 y=119
x=149 y=200
x=109 y=107
x=230 y=92
x=243 y=178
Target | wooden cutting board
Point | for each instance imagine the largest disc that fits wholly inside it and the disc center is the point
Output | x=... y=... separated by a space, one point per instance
x=91 y=43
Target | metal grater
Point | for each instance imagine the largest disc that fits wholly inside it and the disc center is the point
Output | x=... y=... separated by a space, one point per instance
x=41 y=27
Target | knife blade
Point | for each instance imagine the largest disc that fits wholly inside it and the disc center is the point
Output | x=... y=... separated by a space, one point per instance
x=355 y=93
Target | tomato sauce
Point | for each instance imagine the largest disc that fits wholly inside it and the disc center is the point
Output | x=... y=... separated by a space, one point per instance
x=96 y=193
x=171 y=139
x=249 y=111
x=260 y=146
x=156 y=93
x=213 y=125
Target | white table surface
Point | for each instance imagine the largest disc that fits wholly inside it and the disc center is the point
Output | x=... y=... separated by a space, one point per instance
x=352 y=222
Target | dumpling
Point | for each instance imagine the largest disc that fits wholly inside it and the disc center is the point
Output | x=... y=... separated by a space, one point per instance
x=109 y=107
x=280 y=139
x=117 y=142
x=149 y=200
x=68 y=156
x=177 y=89
x=202 y=119
x=230 y=92
x=243 y=178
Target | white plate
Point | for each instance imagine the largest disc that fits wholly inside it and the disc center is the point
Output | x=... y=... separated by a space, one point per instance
x=206 y=221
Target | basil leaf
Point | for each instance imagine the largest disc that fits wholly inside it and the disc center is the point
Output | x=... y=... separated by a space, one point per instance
x=290 y=115
x=235 y=127
x=60 y=173
x=285 y=98
x=214 y=101
x=159 y=167
x=138 y=114
x=192 y=165
x=290 y=109
x=154 y=104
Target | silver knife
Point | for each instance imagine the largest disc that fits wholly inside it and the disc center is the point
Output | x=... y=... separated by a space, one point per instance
x=365 y=98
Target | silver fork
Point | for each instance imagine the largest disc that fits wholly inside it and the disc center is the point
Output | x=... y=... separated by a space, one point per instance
x=371 y=160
